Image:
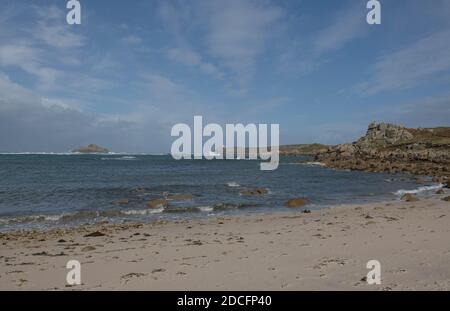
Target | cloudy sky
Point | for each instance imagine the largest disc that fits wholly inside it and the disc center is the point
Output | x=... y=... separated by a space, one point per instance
x=133 y=69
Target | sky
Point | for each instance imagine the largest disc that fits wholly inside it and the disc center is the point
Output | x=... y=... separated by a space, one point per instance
x=133 y=69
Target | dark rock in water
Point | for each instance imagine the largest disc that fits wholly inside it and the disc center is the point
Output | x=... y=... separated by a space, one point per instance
x=94 y=234
x=306 y=211
x=122 y=202
x=440 y=191
x=62 y=241
x=447 y=199
x=158 y=203
x=180 y=197
x=408 y=197
x=296 y=202
x=250 y=192
x=92 y=148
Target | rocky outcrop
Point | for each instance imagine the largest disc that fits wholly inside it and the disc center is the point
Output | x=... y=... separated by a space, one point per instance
x=92 y=148
x=392 y=148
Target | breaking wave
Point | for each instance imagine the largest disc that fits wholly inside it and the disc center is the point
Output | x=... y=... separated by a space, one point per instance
x=419 y=190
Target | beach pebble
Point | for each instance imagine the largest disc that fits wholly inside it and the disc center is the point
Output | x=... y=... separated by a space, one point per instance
x=94 y=234
x=408 y=197
x=88 y=249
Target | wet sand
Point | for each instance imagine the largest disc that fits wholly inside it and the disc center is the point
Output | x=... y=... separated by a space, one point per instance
x=322 y=250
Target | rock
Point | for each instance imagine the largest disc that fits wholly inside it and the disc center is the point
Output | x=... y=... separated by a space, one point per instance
x=180 y=197
x=440 y=191
x=306 y=211
x=446 y=199
x=122 y=202
x=296 y=202
x=392 y=148
x=408 y=197
x=158 y=203
x=94 y=234
x=61 y=241
x=251 y=192
x=88 y=249
x=92 y=148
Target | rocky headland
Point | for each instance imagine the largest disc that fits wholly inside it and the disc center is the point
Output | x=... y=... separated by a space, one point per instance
x=392 y=148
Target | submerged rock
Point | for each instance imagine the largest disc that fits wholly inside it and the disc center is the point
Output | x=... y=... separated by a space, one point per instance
x=296 y=202
x=158 y=203
x=122 y=202
x=180 y=197
x=257 y=191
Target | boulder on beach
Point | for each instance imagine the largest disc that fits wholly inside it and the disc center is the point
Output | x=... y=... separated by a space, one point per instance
x=408 y=197
x=257 y=191
x=446 y=199
x=296 y=202
x=157 y=203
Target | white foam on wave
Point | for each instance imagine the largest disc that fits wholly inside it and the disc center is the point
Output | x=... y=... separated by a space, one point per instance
x=143 y=211
x=313 y=163
x=233 y=184
x=31 y=219
x=206 y=209
x=124 y=158
x=419 y=190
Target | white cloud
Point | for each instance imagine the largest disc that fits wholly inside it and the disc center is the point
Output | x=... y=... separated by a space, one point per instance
x=238 y=32
x=233 y=34
x=192 y=59
x=347 y=25
x=411 y=65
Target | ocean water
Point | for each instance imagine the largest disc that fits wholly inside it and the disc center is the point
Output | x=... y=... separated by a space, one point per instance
x=41 y=190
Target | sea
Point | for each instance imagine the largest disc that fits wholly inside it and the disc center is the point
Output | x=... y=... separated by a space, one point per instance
x=41 y=191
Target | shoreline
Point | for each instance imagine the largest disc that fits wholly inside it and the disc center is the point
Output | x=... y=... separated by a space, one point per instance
x=326 y=249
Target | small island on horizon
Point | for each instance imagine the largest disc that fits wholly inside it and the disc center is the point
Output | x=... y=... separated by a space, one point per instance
x=91 y=148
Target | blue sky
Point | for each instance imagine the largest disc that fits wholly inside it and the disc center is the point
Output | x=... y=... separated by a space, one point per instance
x=132 y=70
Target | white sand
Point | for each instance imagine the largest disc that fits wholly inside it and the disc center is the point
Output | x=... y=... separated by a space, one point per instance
x=324 y=250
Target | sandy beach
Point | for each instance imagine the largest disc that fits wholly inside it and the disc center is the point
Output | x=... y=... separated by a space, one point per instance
x=323 y=250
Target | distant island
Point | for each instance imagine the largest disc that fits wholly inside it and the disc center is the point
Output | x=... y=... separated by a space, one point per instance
x=91 y=148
